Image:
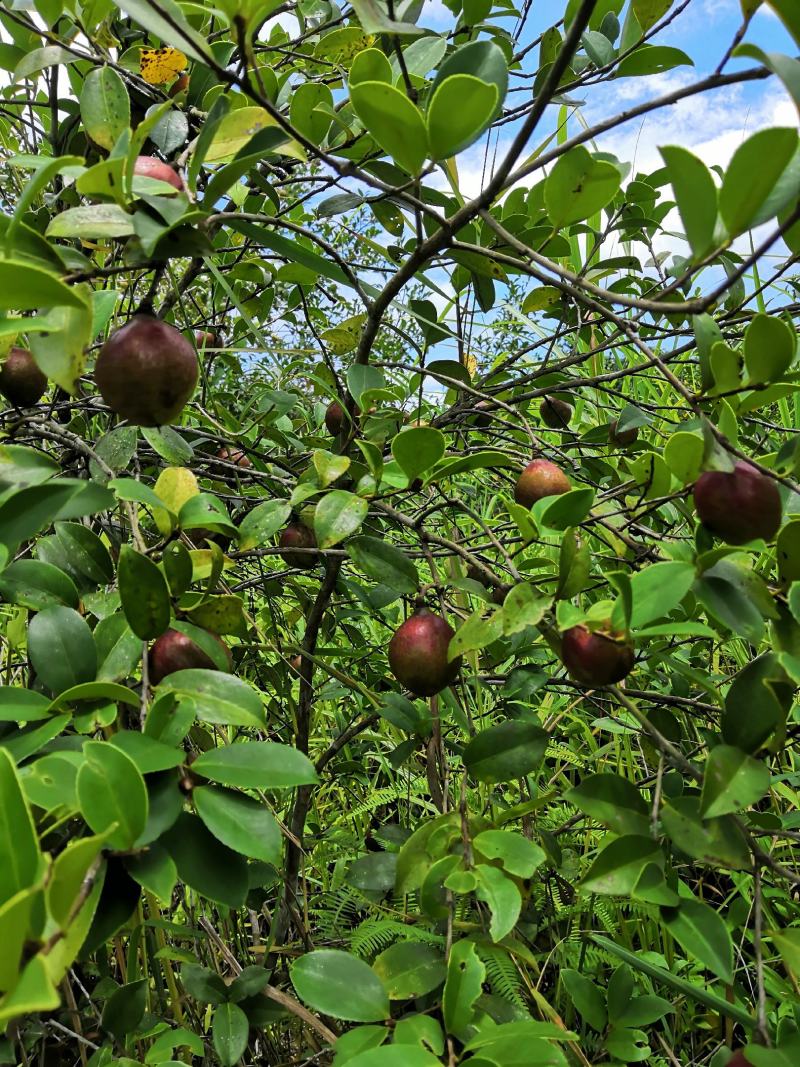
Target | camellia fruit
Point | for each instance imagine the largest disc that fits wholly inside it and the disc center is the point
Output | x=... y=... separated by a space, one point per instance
x=146 y=371
x=595 y=658
x=621 y=438
x=235 y=456
x=150 y=167
x=739 y=505
x=21 y=381
x=206 y=339
x=738 y=1059
x=336 y=418
x=555 y=413
x=298 y=535
x=418 y=654
x=540 y=478
x=175 y=651
x=482 y=415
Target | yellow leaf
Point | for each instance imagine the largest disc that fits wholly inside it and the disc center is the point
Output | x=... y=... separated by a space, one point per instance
x=160 y=65
x=174 y=485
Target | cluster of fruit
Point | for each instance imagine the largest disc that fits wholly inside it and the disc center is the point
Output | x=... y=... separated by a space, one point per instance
x=147 y=371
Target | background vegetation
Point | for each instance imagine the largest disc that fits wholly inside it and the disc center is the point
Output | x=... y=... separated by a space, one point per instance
x=443 y=220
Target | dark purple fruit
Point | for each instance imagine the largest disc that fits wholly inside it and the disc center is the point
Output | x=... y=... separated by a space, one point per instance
x=418 y=654
x=738 y=1059
x=595 y=658
x=150 y=167
x=298 y=535
x=540 y=478
x=555 y=413
x=175 y=651
x=483 y=416
x=21 y=381
x=336 y=418
x=621 y=439
x=739 y=505
x=146 y=371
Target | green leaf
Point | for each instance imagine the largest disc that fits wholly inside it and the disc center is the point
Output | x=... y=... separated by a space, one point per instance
x=41 y=58
x=717 y=841
x=696 y=195
x=105 y=108
x=243 y=824
x=92 y=221
x=340 y=985
x=36 y=585
x=124 y=1009
x=579 y=186
x=518 y=855
x=25 y=287
x=697 y=992
x=565 y=510
x=374 y=20
x=752 y=173
x=762 y=684
x=205 y=864
x=476 y=632
x=464 y=984
x=770 y=346
x=338 y=515
x=22 y=705
x=523 y=608
x=616 y=869
x=503 y=898
x=683 y=454
x=144 y=593
x=409 y=970
x=61 y=648
x=652 y=59
x=229 y=1031
x=790 y=16
x=703 y=934
x=658 y=589
x=482 y=59
x=393 y=121
x=112 y=794
x=732 y=781
x=395 y=1056
x=417 y=450
x=153 y=868
x=613 y=801
x=149 y=755
x=20 y=858
x=214 y=697
x=34 y=992
x=648 y=12
x=506 y=751
x=587 y=997
x=256 y=765
x=461 y=108
x=382 y=562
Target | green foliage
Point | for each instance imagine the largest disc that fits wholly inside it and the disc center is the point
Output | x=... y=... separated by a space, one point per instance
x=272 y=853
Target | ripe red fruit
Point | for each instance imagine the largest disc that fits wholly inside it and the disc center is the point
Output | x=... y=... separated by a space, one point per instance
x=150 y=167
x=738 y=1059
x=595 y=658
x=206 y=339
x=623 y=438
x=235 y=456
x=175 y=651
x=180 y=85
x=298 y=535
x=418 y=654
x=146 y=371
x=296 y=662
x=21 y=381
x=540 y=478
x=555 y=413
x=336 y=418
x=739 y=505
